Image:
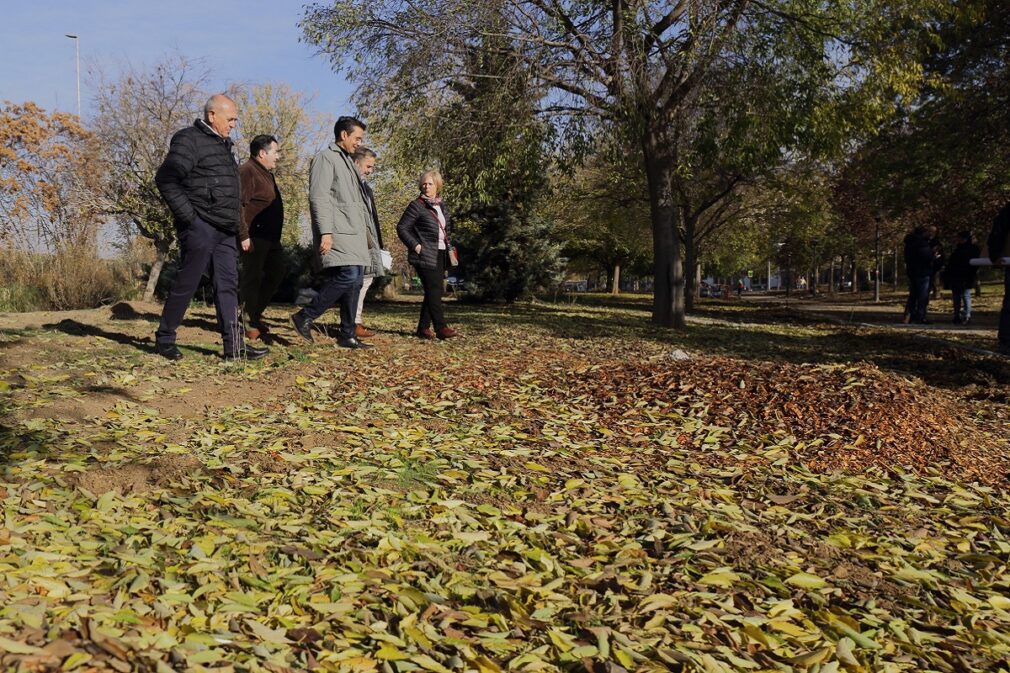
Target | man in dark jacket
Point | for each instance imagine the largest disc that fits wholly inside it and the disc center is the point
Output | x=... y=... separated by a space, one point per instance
x=919 y=265
x=200 y=183
x=260 y=232
x=960 y=276
x=997 y=245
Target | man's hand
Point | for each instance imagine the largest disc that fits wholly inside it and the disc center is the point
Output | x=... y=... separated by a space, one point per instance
x=247 y=245
x=417 y=248
x=325 y=243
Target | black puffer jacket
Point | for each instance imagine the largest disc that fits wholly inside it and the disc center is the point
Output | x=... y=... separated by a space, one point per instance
x=419 y=224
x=199 y=178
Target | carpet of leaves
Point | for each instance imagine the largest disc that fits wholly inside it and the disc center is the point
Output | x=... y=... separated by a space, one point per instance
x=518 y=499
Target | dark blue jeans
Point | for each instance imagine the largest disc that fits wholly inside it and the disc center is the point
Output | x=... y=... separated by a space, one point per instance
x=342 y=285
x=203 y=247
x=962 y=302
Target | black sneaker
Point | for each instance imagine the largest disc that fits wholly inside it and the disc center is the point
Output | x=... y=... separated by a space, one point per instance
x=303 y=326
x=169 y=352
x=248 y=352
x=352 y=342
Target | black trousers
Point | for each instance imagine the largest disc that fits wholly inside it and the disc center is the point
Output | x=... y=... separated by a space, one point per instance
x=433 y=282
x=202 y=247
x=262 y=273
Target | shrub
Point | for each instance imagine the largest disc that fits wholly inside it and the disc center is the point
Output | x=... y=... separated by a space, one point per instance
x=70 y=278
x=508 y=255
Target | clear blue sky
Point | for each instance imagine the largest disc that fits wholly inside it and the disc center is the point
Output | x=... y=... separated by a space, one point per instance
x=250 y=42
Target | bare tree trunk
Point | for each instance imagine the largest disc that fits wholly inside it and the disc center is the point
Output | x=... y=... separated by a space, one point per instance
x=668 y=306
x=855 y=276
x=831 y=276
x=615 y=287
x=152 y=278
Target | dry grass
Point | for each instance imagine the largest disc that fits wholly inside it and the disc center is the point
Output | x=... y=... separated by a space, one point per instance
x=70 y=278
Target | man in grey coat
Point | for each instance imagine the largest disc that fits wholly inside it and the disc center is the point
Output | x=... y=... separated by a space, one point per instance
x=340 y=220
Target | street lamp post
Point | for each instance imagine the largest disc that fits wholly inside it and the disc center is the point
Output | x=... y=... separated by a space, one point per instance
x=77 y=60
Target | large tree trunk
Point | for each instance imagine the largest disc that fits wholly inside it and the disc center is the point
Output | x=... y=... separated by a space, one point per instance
x=161 y=255
x=615 y=280
x=668 y=294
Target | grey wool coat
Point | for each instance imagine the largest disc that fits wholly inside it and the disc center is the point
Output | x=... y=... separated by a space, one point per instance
x=338 y=208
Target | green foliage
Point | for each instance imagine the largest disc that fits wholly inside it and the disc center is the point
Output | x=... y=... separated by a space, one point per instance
x=943 y=161
x=711 y=94
x=601 y=211
x=510 y=255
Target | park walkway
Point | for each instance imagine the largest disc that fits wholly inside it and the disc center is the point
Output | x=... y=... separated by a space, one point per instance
x=979 y=335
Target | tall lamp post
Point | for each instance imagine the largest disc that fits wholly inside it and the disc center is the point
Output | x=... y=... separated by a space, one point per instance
x=77 y=60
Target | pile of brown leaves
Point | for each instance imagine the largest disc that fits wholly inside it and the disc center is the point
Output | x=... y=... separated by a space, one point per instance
x=846 y=418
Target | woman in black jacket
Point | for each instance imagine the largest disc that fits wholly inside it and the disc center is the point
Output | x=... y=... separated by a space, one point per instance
x=424 y=229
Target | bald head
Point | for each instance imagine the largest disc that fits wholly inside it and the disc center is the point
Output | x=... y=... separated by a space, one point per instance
x=221 y=114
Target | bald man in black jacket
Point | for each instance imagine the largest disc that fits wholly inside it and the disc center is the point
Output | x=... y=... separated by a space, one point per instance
x=199 y=181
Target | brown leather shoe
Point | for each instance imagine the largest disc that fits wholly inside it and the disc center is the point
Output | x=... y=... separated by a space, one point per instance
x=362 y=332
x=252 y=334
x=425 y=333
x=447 y=333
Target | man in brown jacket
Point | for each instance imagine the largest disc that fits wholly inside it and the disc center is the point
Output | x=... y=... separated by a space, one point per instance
x=260 y=232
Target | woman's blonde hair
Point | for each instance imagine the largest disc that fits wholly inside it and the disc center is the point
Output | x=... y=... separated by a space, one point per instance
x=435 y=176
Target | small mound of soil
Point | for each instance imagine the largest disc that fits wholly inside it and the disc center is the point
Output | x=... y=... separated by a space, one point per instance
x=123 y=311
x=137 y=477
x=845 y=418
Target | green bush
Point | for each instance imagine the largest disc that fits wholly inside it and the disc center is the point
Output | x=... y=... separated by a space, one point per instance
x=508 y=255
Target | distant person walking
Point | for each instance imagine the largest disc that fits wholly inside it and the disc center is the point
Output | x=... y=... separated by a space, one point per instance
x=960 y=275
x=919 y=268
x=260 y=232
x=424 y=228
x=199 y=181
x=339 y=222
x=364 y=161
x=997 y=244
